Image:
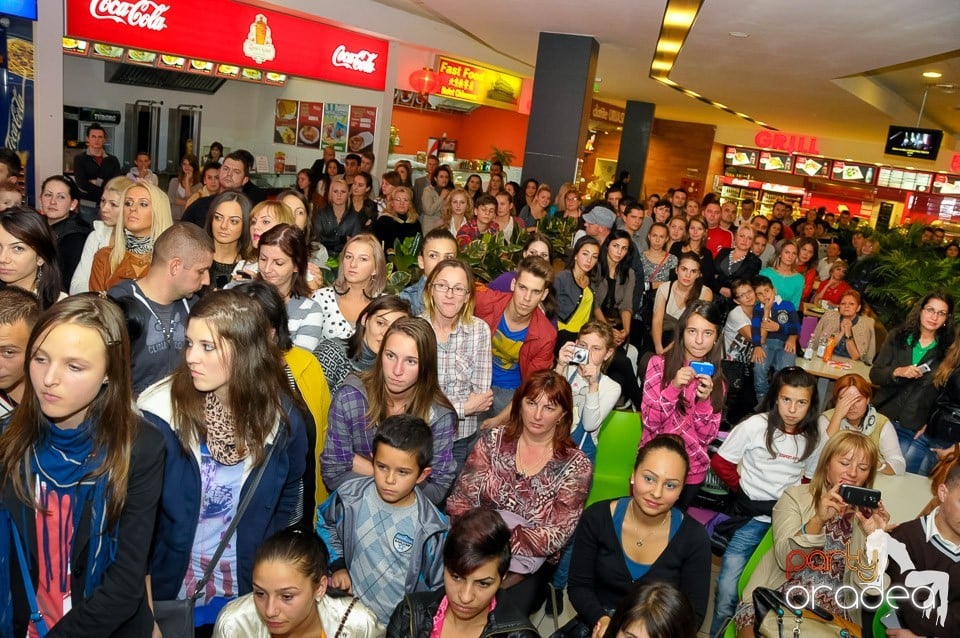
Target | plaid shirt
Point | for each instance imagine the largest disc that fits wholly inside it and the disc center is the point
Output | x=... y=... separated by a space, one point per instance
x=465 y=366
x=349 y=434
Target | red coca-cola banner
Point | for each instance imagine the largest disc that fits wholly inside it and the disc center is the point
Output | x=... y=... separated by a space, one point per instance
x=232 y=32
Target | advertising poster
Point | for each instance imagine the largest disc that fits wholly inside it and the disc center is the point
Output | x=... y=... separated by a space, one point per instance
x=285 y=122
x=335 y=118
x=363 y=122
x=16 y=96
x=308 y=125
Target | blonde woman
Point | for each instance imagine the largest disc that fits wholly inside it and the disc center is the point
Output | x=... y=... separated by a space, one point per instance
x=362 y=277
x=146 y=214
x=111 y=209
x=398 y=220
x=263 y=217
x=457 y=210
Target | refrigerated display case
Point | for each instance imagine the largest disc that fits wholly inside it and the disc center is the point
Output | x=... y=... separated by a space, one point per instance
x=733 y=189
x=772 y=193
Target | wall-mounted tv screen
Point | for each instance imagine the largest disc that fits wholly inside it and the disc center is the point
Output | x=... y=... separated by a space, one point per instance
x=919 y=143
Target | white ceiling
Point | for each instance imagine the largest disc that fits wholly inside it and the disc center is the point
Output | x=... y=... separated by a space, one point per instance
x=834 y=68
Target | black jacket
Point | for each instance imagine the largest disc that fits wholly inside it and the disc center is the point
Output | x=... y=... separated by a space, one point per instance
x=332 y=235
x=86 y=170
x=118 y=607
x=71 y=234
x=413 y=618
x=905 y=400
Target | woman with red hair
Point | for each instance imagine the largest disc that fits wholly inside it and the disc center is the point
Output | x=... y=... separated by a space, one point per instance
x=850 y=409
x=530 y=472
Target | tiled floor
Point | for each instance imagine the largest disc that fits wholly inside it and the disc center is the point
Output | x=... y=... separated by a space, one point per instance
x=545 y=624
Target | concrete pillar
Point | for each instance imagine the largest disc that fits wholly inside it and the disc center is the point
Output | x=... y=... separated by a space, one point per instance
x=635 y=142
x=560 y=110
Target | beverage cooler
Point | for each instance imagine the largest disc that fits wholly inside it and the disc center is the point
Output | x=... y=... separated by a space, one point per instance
x=765 y=194
x=183 y=134
x=142 y=131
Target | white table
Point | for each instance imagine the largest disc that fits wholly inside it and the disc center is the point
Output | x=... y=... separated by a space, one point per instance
x=826 y=373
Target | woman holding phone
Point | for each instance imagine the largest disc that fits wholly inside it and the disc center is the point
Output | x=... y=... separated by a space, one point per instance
x=684 y=391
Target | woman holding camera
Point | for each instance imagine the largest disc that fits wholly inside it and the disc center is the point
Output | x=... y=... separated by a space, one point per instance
x=813 y=520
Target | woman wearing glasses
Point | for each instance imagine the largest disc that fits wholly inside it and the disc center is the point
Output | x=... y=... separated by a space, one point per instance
x=901 y=370
x=464 y=360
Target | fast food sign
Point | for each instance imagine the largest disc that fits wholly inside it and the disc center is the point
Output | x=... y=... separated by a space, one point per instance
x=478 y=84
x=241 y=35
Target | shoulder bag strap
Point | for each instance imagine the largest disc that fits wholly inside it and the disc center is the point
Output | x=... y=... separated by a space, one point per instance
x=659 y=267
x=208 y=572
x=343 y=621
x=35 y=616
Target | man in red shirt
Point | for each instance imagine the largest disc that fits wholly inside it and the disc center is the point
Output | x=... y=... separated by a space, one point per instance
x=717 y=237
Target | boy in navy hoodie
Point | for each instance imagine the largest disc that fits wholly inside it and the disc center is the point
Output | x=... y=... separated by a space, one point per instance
x=774 y=328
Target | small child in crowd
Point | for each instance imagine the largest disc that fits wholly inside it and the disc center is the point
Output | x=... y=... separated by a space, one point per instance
x=385 y=538
x=774 y=328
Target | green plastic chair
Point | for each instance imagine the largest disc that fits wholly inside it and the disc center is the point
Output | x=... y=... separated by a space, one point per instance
x=617 y=445
x=879 y=629
x=766 y=544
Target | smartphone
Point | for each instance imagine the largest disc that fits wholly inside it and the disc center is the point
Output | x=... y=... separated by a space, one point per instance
x=891 y=620
x=579 y=355
x=702 y=367
x=924 y=367
x=860 y=496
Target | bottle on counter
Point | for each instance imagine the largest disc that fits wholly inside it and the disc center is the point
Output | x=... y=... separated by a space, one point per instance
x=828 y=350
x=821 y=347
x=808 y=353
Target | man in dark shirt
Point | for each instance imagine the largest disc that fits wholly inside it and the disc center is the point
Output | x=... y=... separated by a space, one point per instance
x=92 y=170
x=234 y=174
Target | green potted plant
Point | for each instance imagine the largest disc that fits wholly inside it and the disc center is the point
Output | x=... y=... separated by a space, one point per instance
x=503 y=156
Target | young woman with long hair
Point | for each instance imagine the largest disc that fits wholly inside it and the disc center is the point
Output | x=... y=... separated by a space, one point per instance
x=146 y=214
x=292 y=595
x=28 y=255
x=457 y=210
x=224 y=413
x=81 y=477
x=361 y=278
x=474 y=186
x=435 y=197
x=782 y=272
x=403 y=380
x=696 y=242
x=186 y=183
x=538 y=208
x=574 y=293
x=463 y=349
x=360 y=201
x=763 y=456
x=658 y=610
x=59 y=203
x=641 y=539
x=228 y=222
x=679 y=400
x=111 y=210
x=676 y=234
x=340 y=357
x=282 y=253
x=807 y=266
x=388 y=181
x=672 y=299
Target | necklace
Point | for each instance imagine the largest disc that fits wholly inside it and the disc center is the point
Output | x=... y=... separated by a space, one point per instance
x=521 y=471
x=636 y=523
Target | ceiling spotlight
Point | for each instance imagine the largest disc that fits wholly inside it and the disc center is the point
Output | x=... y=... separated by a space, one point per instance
x=739 y=34
x=932 y=74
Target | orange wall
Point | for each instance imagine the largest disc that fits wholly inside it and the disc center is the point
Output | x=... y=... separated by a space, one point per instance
x=476 y=133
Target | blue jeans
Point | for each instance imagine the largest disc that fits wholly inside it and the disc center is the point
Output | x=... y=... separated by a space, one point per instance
x=739 y=550
x=563 y=567
x=777 y=358
x=916 y=451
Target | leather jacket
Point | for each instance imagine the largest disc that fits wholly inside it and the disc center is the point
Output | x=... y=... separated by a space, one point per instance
x=413 y=618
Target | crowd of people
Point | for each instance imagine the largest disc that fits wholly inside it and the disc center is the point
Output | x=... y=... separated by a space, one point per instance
x=215 y=399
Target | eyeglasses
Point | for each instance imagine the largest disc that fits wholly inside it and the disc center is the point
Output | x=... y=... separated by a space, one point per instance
x=458 y=291
x=930 y=310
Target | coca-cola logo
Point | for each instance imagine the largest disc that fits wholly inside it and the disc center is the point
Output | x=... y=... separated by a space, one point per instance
x=363 y=61
x=144 y=14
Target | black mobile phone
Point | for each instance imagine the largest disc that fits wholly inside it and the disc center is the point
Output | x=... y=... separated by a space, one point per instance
x=860 y=496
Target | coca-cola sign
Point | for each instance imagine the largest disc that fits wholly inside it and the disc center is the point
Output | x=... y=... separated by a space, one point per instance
x=363 y=61
x=143 y=14
x=241 y=34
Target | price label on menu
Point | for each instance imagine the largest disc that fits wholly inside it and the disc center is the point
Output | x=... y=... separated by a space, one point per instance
x=847 y=172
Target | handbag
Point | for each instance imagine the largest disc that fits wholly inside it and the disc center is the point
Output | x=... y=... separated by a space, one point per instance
x=944 y=423
x=175 y=617
x=36 y=618
x=775 y=618
x=573 y=629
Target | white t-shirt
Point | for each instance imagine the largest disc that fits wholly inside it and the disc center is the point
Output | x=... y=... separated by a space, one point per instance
x=672 y=308
x=735 y=320
x=763 y=478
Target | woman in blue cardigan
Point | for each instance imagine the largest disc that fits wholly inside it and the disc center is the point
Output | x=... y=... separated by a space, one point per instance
x=221 y=414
